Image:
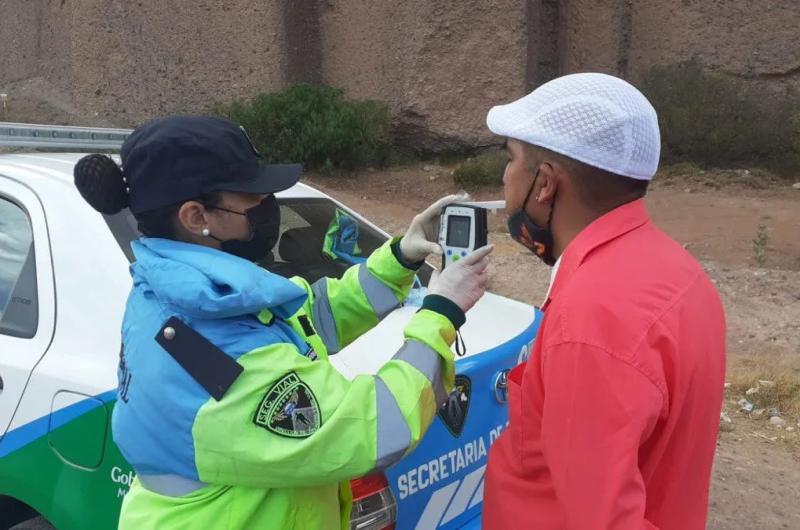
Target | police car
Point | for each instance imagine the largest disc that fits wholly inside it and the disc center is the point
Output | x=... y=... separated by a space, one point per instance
x=63 y=285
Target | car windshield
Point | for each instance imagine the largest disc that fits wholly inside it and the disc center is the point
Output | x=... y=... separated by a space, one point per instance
x=300 y=251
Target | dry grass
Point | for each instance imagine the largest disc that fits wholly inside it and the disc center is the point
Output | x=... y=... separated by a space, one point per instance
x=782 y=371
x=692 y=175
x=482 y=170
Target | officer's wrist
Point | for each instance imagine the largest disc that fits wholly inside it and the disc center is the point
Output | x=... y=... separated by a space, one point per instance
x=445 y=307
x=402 y=260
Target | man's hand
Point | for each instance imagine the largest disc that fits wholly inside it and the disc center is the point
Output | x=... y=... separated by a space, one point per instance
x=463 y=282
x=422 y=236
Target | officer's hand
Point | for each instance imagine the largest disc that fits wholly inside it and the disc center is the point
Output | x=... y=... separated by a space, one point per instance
x=463 y=282
x=422 y=236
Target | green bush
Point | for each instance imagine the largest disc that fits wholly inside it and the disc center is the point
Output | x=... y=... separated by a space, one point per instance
x=715 y=120
x=482 y=170
x=314 y=125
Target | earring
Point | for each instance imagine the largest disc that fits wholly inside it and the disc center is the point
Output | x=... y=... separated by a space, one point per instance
x=206 y=232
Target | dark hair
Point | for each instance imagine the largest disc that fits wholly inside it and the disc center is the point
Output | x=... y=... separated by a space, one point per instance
x=102 y=184
x=595 y=184
x=596 y=187
x=161 y=222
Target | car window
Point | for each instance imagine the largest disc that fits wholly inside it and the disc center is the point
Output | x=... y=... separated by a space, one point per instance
x=304 y=224
x=19 y=306
x=299 y=252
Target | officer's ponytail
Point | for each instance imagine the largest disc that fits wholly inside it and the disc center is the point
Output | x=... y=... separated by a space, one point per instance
x=101 y=183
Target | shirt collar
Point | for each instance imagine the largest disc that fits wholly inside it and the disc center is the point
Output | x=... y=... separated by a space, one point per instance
x=608 y=227
x=553 y=274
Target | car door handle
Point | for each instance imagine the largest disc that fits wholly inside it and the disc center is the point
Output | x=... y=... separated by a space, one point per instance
x=1 y=385
x=501 y=386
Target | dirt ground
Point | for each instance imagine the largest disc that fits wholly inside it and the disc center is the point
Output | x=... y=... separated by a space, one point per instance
x=756 y=481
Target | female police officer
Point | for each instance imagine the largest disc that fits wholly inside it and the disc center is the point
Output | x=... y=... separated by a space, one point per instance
x=228 y=409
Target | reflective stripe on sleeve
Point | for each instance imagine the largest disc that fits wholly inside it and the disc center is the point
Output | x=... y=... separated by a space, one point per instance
x=394 y=436
x=426 y=360
x=381 y=297
x=323 y=316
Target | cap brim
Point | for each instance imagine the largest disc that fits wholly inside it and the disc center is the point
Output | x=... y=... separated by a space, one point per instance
x=271 y=178
x=500 y=119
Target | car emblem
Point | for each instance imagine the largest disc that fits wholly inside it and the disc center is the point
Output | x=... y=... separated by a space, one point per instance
x=454 y=412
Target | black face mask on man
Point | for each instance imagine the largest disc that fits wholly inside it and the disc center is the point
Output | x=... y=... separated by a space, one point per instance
x=535 y=238
x=264 y=220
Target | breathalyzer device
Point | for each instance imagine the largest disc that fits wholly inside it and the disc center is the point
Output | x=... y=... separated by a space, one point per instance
x=463 y=229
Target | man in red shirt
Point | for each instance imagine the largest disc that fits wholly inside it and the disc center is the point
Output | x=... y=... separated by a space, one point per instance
x=613 y=420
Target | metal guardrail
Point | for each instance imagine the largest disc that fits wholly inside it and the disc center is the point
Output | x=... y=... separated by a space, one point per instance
x=61 y=137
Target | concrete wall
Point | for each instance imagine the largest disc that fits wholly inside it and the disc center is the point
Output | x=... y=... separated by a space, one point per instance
x=439 y=64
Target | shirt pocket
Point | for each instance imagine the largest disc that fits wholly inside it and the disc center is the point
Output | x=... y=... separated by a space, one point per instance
x=515 y=410
x=524 y=395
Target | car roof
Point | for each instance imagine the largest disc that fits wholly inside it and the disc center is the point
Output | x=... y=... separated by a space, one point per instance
x=54 y=170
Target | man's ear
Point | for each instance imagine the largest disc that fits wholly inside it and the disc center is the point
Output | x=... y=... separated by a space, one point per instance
x=192 y=217
x=547 y=183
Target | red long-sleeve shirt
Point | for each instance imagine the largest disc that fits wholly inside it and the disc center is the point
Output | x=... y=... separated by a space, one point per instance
x=613 y=420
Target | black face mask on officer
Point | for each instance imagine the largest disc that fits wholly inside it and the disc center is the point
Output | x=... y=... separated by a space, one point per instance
x=535 y=238
x=264 y=220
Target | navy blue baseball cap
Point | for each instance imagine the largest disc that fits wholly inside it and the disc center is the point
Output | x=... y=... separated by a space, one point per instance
x=180 y=158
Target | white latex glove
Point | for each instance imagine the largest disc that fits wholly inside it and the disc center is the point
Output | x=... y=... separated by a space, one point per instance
x=463 y=282
x=422 y=236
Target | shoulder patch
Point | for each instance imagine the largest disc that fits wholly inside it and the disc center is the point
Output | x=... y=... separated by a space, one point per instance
x=289 y=409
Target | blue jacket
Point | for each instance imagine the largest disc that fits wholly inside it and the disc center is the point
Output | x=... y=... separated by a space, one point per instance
x=219 y=295
x=272 y=452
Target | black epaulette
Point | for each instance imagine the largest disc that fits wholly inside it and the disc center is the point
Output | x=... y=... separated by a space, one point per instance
x=211 y=367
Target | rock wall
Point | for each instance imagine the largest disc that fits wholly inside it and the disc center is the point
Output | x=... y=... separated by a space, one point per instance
x=35 y=41
x=135 y=60
x=440 y=65
x=750 y=39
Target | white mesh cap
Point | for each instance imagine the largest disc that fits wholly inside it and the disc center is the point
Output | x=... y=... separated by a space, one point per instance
x=597 y=119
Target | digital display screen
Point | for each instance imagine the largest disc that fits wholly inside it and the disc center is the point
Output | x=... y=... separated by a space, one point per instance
x=458 y=231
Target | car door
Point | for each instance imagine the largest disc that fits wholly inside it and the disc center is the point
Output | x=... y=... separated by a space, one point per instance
x=27 y=298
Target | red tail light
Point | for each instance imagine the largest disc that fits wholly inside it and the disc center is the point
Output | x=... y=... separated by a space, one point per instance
x=374 y=507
